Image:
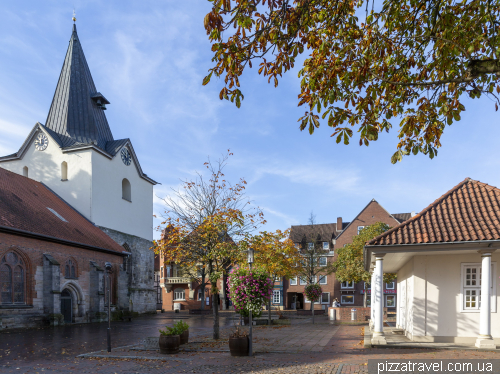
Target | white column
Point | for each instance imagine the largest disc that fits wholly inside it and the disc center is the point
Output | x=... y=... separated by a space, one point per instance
x=372 y=298
x=377 y=297
x=484 y=340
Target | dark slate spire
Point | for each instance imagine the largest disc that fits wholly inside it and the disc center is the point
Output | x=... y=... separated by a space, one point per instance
x=76 y=114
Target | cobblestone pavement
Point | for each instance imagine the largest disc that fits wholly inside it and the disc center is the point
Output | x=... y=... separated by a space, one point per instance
x=343 y=353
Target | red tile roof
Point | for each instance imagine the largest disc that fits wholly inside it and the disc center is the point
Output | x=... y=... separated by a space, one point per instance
x=30 y=206
x=468 y=212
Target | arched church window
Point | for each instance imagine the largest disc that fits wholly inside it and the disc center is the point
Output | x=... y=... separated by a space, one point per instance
x=12 y=279
x=64 y=171
x=70 y=269
x=25 y=171
x=126 y=190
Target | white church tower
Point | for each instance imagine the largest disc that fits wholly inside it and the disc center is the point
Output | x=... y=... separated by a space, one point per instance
x=76 y=156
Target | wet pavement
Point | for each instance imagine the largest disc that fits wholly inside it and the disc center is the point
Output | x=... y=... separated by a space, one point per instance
x=60 y=342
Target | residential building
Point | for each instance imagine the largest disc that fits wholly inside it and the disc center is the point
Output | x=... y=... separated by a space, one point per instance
x=334 y=236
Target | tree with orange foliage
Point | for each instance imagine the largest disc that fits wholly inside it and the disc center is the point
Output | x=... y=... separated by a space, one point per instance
x=276 y=254
x=205 y=220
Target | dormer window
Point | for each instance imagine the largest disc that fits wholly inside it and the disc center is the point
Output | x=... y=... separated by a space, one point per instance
x=100 y=100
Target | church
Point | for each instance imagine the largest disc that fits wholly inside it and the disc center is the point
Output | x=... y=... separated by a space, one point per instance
x=76 y=214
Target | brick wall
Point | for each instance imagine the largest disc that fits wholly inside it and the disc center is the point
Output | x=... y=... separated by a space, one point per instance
x=363 y=314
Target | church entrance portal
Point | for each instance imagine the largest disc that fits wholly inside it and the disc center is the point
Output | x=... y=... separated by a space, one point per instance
x=67 y=306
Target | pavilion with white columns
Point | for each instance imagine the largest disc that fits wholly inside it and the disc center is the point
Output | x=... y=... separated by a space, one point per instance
x=446 y=260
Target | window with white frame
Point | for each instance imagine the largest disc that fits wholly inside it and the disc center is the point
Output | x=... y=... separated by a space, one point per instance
x=310 y=245
x=347 y=285
x=276 y=297
x=325 y=298
x=277 y=279
x=293 y=281
x=389 y=286
x=360 y=228
x=179 y=294
x=326 y=247
x=322 y=279
x=322 y=261
x=471 y=287
x=390 y=301
x=347 y=299
x=303 y=281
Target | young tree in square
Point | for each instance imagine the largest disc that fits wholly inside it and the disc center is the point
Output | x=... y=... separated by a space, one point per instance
x=350 y=262
x=315 y=264
x=206 y=218
x=369 y=65
x=277 y=255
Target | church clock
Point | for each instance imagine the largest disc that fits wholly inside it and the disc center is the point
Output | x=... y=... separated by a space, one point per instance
x=41 y=142
x=126 y=158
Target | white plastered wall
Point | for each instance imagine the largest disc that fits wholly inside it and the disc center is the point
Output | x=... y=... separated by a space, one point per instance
x=45 y=166
x=436 y=312
x=109 y=209
x=405 y=298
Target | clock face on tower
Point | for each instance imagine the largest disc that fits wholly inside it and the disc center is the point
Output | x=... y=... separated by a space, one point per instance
x=126 y=158
x=41 y=142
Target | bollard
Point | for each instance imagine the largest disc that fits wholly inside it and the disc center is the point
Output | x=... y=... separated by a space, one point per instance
x=332 y=314
x=354 y=315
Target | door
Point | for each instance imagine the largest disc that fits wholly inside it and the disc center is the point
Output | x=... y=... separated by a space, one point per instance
x=67 y=306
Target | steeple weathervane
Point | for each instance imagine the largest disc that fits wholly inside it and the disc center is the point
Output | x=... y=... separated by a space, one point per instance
x=74 y=16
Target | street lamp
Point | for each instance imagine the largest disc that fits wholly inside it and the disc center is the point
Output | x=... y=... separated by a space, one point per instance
x=107 y=265
x=250 y=262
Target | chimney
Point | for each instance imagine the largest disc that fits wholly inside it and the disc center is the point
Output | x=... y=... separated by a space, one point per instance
x=339 y=223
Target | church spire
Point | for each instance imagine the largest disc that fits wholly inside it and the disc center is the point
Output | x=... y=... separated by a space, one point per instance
x=77 y=110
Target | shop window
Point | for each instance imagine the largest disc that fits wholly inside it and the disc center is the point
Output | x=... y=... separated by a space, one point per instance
x=70 y=269
x=276 y=297
x=179 y=294
x=12 y=279
x=347 y=299
x=390 y=301
x=126 y=190
x=347 y=285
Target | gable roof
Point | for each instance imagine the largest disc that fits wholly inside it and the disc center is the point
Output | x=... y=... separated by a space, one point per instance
x=469 y=211
x=31 y=209
x=326 y=231
x=74 y=113
x=401 y=215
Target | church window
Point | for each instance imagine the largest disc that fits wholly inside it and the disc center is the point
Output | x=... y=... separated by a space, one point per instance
x=126 y=190
x=12 y=279
x=64 y=171
x=70 y=269
x=25 y=171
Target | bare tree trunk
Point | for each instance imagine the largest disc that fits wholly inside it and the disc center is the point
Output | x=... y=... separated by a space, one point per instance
x=269 y=314
x=224 y=292
x=215 y=305
x=203 y=290
x=312 y=310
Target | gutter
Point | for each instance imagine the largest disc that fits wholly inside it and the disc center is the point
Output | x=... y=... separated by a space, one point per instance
x=411 y=247
x=48 y=238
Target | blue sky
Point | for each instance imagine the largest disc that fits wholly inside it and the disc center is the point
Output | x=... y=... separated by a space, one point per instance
x=149 y=58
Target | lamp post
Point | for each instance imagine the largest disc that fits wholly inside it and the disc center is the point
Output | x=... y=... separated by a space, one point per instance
x=250 y=262
x=108 y=272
